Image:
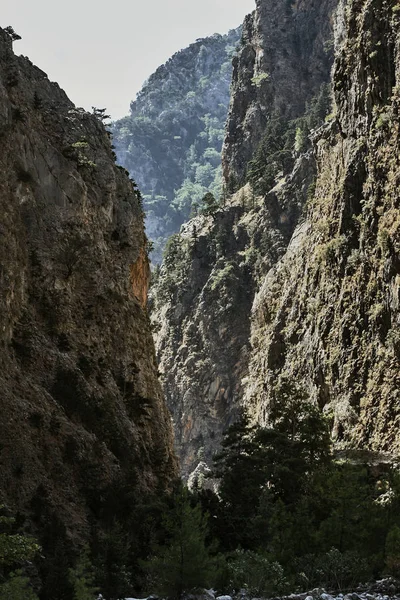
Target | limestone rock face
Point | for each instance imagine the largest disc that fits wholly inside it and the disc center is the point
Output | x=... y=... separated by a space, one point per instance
x=213 y=269
x=82 y=411
x=286 y=55
x=328 y=314
x=203 y=302
x=314 y=277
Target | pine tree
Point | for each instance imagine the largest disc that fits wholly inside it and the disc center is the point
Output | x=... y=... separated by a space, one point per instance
x=82 y=578
x=184 y=562
x=210 y=205
x=239 y=467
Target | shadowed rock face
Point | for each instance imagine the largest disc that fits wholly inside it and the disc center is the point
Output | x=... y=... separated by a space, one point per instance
x=286 y=55
x=82 y=413
x=333 y=301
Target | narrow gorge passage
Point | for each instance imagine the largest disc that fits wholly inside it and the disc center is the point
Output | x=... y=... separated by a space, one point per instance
x=224 y=419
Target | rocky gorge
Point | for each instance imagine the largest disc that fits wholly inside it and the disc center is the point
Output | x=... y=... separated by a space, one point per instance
x=274 y=315
x=213 y=270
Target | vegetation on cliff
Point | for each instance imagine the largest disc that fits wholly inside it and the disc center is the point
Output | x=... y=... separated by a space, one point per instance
x=210 y=275
x=295 y=278
x=172 y=140
x=328 y=315
x=83 y=425
x=287 y=516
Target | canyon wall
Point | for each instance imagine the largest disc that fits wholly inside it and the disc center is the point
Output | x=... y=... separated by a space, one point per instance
x=82 y=412
x=327 y=316
x=213 y=269
x=286 y=55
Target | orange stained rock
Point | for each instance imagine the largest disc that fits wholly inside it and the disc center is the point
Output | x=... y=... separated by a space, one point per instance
x=140 y=277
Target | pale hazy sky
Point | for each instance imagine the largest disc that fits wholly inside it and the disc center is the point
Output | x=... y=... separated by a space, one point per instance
x=101 y=52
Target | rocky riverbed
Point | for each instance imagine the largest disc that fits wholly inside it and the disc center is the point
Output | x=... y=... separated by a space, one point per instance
x=384 y=589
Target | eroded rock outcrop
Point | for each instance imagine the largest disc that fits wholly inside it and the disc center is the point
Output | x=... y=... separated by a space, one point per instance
x=82 y=413
x=286 y=54
x=328 y=315
x=213 y=270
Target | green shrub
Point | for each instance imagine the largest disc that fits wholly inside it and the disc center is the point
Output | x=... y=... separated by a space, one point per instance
x=258 y=79
x=257 y=574
x=17 y=588
x=392 y=551
x=343 y=570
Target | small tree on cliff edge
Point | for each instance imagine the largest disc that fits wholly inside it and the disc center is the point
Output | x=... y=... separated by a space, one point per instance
x=12 y=34
x=209 y=205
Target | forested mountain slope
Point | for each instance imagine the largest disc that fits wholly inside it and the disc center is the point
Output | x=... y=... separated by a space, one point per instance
x=171 y=142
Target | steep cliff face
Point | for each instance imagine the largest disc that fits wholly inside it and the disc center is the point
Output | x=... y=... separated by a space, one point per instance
x=171 y=142
x=203 y=300
x=82 y=414
x=323 y=310
x=328 y=314
x=286 y=55
x=212 y=271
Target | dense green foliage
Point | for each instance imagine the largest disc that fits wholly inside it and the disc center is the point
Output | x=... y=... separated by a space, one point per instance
x=15 y=550
x=287 y=516
x=17 y=587
x=183 y=562
x=284 y=499
x=82 y=578
x=284 y=140
x=172 y=140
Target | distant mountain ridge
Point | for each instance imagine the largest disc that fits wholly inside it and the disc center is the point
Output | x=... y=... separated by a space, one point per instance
x=172 y=140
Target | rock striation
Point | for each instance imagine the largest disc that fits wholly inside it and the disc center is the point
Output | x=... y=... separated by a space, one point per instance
x=214 y=268
x=286 y=55
x=302 y=283
x=328 y=314
x=82 y=413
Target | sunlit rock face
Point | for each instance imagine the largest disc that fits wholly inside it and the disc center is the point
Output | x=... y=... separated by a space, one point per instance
x=327 y=316
x=302 y=283
x=286 y=55
x=205 y=292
